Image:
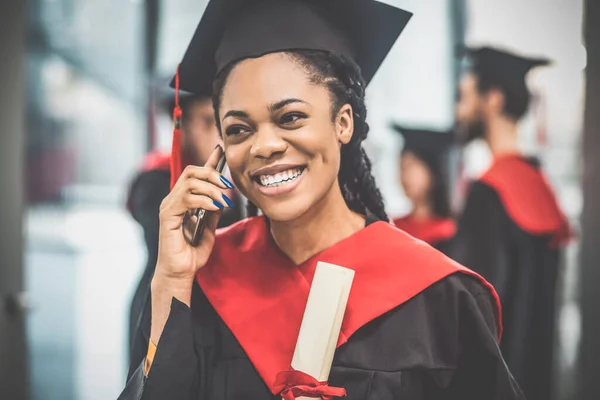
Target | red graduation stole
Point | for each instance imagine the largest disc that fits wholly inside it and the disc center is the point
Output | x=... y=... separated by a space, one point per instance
x=261 y=294
x=430 y=231
x=528 y=198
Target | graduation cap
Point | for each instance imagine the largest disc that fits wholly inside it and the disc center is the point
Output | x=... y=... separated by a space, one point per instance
x=501 y=66
x=505 y=71
x=430 y=146
x=232 y=30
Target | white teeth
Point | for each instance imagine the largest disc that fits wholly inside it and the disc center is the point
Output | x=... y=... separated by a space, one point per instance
x=280 y=178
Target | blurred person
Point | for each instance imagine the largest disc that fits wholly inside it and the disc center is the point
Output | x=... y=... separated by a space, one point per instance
x=422 y=176
x=289 y=81
x=152 y=184
x=511 y=230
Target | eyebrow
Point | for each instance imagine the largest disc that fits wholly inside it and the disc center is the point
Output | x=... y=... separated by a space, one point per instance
x=236 y=113
x=280 y=104
x=273 y=107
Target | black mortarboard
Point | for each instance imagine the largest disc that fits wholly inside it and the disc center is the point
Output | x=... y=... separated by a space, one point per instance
x=430 y=146
x=499 y=66
x=231 y=30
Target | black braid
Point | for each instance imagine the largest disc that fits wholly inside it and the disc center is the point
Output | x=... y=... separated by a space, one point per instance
x=251 y=209
x=343 y=79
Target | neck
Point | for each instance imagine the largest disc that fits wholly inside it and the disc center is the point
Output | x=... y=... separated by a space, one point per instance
x=421 y=211
x=325 y=224
x=501 y=136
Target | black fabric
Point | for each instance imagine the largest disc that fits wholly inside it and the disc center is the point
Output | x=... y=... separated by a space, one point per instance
x=523 y=268
x=445 y=246
x=439 y=345
x=147 y=192
x=501 y=66
x=231 y=30
x=430 y=146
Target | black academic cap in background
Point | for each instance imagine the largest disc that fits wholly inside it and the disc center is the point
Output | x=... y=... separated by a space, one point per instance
x=426 y=144
x=500 y=66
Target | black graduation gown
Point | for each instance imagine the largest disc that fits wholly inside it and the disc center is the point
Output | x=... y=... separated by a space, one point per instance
x=440 y=344
x=520 y=263
x=147 y=192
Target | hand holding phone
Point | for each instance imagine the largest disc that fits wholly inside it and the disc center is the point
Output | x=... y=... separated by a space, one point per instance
x=194 y=220
x=188 y=219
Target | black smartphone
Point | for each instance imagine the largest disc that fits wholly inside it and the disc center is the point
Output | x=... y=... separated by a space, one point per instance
x=195 y=220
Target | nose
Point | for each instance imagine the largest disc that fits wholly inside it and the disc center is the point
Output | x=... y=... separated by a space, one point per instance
x=267 y=143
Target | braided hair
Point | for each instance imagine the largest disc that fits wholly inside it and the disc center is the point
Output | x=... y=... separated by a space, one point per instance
x=342 y=77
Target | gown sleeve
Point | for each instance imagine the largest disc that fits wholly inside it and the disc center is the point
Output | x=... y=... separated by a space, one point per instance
x=483 y=241
x=147 y=192
x=174 y=373
x=481 y=372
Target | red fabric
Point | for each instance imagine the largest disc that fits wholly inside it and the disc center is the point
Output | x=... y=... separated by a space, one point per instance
x=292 y=384
x=176 y=162
x=156 y=160
x=261 y=294
x=431 y=231
x=528 y=198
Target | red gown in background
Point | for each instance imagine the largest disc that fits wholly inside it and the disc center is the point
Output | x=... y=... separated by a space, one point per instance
x=438 y=232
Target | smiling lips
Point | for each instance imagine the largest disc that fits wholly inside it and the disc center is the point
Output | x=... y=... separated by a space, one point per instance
x=278 y=180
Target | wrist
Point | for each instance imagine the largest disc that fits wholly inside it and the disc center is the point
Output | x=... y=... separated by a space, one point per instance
x=178 y=287
x=164 y=274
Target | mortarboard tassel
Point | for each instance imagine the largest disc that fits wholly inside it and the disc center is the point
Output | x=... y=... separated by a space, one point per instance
x=176 y=162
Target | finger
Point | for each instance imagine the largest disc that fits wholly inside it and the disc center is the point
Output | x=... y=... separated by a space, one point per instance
x=196 y=186
x=214 y=158
x=176 y=208
x=179 y=200
x=207 y=174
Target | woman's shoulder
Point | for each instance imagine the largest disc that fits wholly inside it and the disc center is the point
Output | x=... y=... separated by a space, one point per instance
x=458 y=301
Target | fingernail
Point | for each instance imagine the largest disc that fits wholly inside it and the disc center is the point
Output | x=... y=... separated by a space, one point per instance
x=228 y=201
x=216 y=203
x=226 y=182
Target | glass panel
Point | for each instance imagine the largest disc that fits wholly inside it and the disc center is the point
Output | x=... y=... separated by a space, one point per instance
x=85 y=139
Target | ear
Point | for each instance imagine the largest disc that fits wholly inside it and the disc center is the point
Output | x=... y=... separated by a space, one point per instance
x=494 y=101
x=344 y=124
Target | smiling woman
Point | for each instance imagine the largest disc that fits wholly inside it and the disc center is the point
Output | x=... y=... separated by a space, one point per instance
x=302 y=115
x=288 y=81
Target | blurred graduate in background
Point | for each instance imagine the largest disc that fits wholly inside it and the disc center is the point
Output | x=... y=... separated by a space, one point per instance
x=511 y=230
x=424 y=181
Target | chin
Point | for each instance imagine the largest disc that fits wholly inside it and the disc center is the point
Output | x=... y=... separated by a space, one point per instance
x=285 y=210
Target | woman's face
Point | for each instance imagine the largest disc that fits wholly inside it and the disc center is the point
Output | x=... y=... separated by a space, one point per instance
x=281 y=143
x=415 y=177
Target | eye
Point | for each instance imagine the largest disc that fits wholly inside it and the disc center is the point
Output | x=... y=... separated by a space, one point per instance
x=237 y=130
x=291 y=117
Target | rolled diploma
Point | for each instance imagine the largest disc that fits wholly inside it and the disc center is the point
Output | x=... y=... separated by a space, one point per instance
x=322 y=320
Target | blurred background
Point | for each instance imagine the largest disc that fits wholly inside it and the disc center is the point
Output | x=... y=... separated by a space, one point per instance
x=77 y=84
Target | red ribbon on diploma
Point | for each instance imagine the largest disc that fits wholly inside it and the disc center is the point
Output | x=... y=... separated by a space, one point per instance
x=292 y=384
